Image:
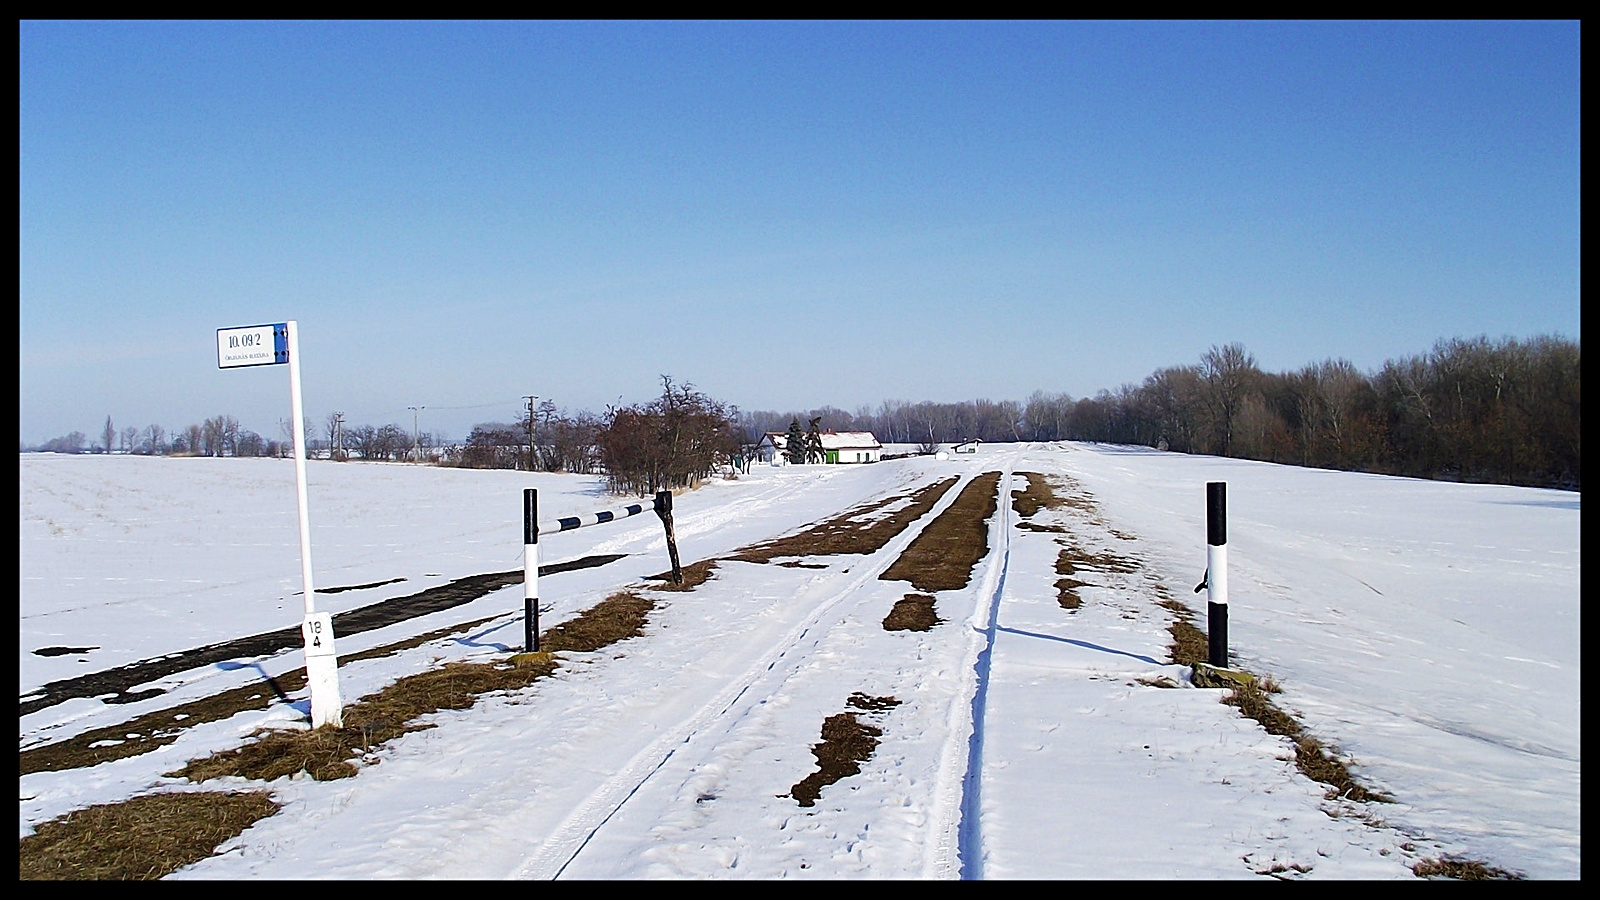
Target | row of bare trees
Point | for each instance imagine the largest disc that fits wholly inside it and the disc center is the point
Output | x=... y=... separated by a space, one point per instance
x=1505 y=411
x=219 y=435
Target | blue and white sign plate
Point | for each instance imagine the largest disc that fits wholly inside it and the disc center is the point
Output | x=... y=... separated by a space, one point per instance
x=254 y=345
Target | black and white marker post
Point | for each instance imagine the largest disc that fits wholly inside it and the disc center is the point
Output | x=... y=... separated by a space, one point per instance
x=530 y=570
x=531 y=529
x=1217 y=572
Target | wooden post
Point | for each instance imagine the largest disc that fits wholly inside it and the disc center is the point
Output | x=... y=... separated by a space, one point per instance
x=664 y=510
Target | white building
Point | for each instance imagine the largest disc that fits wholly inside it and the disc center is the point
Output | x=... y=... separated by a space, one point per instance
x=838 y=447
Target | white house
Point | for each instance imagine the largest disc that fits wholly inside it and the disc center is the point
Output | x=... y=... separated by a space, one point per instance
x=839 y=447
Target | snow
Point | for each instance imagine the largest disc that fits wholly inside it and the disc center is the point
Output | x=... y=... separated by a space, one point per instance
x=1427 y=631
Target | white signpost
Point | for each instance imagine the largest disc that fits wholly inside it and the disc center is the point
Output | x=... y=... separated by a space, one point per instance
x=271 y=345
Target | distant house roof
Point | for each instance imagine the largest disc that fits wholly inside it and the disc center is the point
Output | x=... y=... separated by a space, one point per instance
x=832 y=440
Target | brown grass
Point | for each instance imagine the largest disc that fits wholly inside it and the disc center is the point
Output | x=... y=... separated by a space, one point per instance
x=694 y=575
x=846 y=743
x=190 y=829
x=1073 y=557
x=1462 y=870
x=941 y=558
x=1310 y=757
x=861 y=529
x=1189 y=644
x=140 y=839
x=1036 y=496
x=1067 y=593
x=913 y=613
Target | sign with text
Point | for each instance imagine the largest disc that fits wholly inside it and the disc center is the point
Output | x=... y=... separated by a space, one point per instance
x=254 y=345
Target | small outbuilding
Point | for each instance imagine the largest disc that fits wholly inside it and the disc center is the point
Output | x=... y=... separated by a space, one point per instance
x=970 y=446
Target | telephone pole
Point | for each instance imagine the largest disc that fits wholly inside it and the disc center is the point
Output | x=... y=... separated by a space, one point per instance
x=416 y=444
x=531 y=398
x=338 y=436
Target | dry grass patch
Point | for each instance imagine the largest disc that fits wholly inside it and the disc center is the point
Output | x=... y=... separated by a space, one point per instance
x=141 y=839
x=846 y=743
x=148 y=837
x=861 y=529
x=1072 y=558
x=1036 y=496
x=694 y=575
x=1462 y=870
x=1310 y=757
x=941 y=558
x=1189 y=644
x=913 y=613
x=1067 y=593
x=325 y=753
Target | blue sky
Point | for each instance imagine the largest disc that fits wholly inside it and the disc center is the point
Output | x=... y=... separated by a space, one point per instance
x=785 y=215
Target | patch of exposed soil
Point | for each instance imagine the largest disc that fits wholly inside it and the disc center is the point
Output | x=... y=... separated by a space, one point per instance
x=942 y=557
x=861 y=529
x=913 y=613
x=63 y=651
x=846 y=743
x=357 y=587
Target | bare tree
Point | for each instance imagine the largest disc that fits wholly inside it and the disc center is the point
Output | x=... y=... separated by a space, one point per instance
x=1227 y=373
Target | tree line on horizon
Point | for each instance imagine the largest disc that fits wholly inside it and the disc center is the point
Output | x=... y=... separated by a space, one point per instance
x=1506 y=411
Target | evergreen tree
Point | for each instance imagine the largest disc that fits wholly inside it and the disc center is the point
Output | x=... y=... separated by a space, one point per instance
x=794 y=443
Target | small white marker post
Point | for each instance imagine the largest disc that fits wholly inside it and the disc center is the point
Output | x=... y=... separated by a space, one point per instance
x=271 y=345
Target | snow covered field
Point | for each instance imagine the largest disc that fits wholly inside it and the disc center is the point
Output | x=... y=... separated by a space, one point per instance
x=1428 y=631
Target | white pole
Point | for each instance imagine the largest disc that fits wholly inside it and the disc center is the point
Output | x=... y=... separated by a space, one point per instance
x=322 y=663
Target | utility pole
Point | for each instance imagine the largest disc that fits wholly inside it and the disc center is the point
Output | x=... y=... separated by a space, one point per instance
x=338 y=436
x=416 y=445
x=531 y=398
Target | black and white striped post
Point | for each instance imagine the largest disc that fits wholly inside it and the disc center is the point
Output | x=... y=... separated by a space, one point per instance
x=530 y=570
x=531 y=529
x=1217 y=572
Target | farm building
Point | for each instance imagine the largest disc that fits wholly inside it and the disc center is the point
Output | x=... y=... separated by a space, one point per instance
x=966 y=446
x=837 y=447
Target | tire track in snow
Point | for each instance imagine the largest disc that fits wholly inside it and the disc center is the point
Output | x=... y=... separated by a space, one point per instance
x=958 y=851
x=775 y=665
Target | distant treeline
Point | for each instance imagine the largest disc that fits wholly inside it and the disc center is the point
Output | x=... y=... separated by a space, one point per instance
x=1507 y=412
x=222 y=435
